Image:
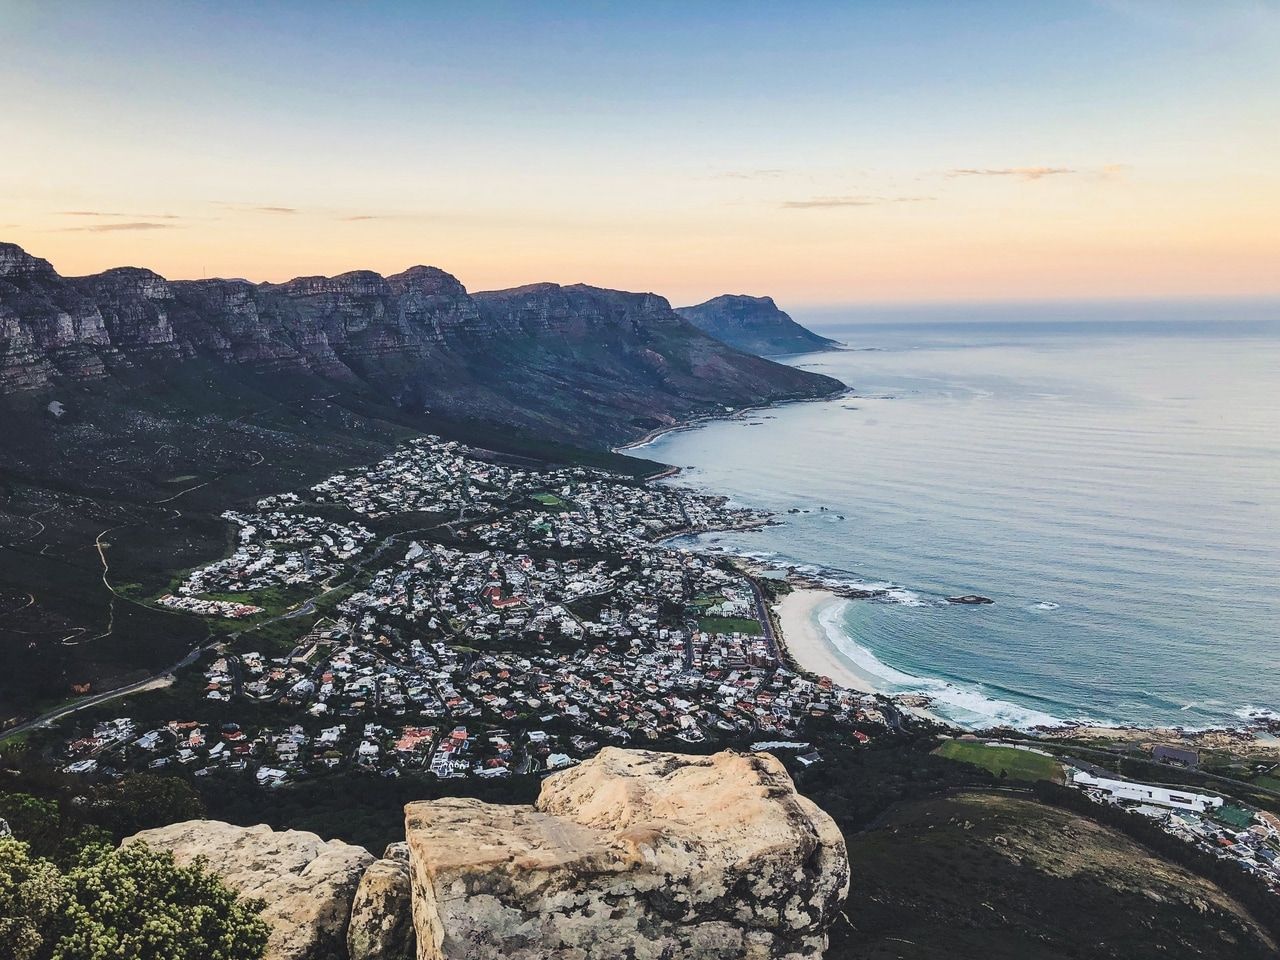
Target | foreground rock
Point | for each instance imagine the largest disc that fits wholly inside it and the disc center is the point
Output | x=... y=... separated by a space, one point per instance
x=382 y=912
x=631 y=854
x=308 y=883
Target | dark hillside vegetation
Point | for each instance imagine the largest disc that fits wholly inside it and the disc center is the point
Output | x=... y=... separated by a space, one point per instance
x=983 y=875
x=146 y=473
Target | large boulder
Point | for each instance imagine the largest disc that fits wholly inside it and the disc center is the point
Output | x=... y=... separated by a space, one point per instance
x=637 y=854
x=308 y=883
x=382 y=913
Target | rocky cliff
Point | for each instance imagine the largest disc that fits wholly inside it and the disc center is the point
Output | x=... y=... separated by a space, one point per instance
x=307 y=884
x=631 y=854
x=651 y=856
x=753 y=324
x=576 y=363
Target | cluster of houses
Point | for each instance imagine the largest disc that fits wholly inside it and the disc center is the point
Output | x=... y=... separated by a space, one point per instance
x=280 y=548
x=1248 y=837
x=599 y=514
x=431 y=475
x=204 y=607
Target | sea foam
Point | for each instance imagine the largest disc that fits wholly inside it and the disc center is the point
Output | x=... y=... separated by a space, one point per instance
x=963 y=706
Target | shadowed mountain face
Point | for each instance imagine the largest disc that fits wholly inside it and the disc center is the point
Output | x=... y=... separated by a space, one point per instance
x=753 y=324
x=577 y=363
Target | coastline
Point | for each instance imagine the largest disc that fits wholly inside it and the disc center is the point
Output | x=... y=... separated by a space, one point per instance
x=802 y=639
x=736 y=414
x=805 y=645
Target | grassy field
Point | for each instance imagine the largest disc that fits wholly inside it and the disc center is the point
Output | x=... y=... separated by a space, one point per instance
x=552 y=501
x=745 y=625
x=1007 y=761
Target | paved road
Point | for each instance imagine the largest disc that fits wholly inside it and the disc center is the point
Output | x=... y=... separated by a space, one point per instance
x=765 y=618
x=45 y=719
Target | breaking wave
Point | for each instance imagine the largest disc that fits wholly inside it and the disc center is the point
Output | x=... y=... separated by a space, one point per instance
x=964 y=706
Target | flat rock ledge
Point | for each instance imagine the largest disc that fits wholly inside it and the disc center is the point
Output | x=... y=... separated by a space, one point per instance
x=632 y=854
x=308 y=884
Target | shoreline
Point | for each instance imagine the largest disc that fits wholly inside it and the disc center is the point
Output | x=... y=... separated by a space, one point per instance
x=804 y=644
x=802 y=640
x=702 y=419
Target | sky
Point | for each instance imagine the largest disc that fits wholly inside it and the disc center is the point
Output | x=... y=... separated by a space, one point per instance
x=821 y=153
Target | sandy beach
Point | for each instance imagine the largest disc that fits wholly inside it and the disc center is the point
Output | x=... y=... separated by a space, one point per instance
x=805 y=643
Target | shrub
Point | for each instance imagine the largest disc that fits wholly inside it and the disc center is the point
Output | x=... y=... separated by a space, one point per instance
x=132 y=903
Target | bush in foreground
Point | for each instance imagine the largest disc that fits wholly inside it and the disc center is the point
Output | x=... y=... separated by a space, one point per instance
x=133 y=903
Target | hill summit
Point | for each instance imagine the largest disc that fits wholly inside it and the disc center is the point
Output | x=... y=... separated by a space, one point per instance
x=754 y=324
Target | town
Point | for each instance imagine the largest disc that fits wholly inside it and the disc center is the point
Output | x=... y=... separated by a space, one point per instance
x=524 y=619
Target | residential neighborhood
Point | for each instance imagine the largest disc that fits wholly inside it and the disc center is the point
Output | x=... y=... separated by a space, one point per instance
x=519 y=620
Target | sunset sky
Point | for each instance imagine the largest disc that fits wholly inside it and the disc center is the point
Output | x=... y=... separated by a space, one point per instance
x=820 y=153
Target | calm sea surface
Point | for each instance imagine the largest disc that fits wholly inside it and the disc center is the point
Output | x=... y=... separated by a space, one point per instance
x=1110 y=477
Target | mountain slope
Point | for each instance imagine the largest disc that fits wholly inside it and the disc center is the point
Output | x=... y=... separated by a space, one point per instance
x=753 y=324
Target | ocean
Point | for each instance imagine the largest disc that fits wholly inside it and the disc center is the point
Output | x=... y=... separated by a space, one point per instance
x=1109 y=475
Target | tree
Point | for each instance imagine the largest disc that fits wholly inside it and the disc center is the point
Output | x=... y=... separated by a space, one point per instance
x=136 y=903
x=47 y=829
x=144 y=800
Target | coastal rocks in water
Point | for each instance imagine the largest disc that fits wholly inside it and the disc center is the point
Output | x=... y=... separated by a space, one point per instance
x=860 y=593
x=308 y=883
x=971 y=599
x=382 y=913
x=631 y=854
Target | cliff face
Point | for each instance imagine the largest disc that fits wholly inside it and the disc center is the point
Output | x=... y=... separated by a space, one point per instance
x=575 y=363
x=753 y=324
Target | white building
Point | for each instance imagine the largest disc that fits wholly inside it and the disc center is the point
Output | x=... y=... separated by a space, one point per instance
x=1143 y=793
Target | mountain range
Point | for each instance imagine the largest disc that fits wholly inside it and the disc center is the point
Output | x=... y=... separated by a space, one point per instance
x=579 y=363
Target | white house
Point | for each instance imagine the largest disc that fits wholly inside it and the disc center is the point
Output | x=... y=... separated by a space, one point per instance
x=1143 y=793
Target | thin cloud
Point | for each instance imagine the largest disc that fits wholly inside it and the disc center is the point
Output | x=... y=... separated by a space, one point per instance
x=817 y=203
x=766 y=174
x=254 y=208
x=1022 y=173
x=112 y=227
x=134 y=216
x=365 y=216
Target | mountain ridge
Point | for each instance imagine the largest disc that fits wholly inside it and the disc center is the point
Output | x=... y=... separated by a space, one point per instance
x=755 y=325
x=534 y=357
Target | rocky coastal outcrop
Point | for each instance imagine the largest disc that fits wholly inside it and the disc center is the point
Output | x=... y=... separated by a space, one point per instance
x=753 y=324
x=571 y=362
x=631 y=854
